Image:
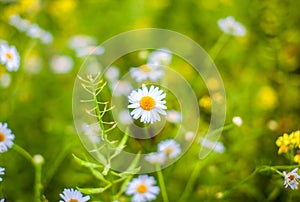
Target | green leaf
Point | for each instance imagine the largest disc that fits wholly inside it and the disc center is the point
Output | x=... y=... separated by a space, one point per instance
x=85 y=163
x=92 y=190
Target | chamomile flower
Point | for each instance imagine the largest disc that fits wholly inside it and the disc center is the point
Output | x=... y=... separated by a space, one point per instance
x=145 y=72
x=160 y=57
x=72 y=195
x=61 y=64
x=10 y=57
x=6 y=138
x=156 y=157
x=2 y=173
x=147 y=104
x=230 y=26
x=170 y=147
x=142 y=189
x=291 y=179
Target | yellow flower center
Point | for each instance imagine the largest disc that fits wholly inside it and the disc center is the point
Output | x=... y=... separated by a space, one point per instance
x=169 y=151
x=8 y=55
x=73 y=200
x=145 y=68
x=147 y=103
x=2 y=137
x=141 y=189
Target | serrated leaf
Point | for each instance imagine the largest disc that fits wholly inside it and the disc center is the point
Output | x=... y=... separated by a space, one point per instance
x=85 y=163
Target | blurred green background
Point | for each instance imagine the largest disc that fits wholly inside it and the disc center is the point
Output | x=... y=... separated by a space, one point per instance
x=261 y=73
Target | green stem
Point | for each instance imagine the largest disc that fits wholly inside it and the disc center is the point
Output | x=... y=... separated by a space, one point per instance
x=38 y=182
x=162 y=183
x=23 y=153
x=217 y=47
x=191 y=182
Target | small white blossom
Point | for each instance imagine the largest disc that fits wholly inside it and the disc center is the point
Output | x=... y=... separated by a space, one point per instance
x=142 y=189
x=146 y=72
x=2 y=200
x=291 y=179
x=61 y=64
x=121 y=87
x=230 y=26
x=112 y=74
x=125 y=118
x=72 y=195
x=5 y=80
x=6 y=138
x=189 y=136
x=170 y=147
x=2 y=172
x=173 y=116
x=160 y=57
x=216 y=146
x=10 y=57
x=147 y=104
x=156 y=157
x=237 y=121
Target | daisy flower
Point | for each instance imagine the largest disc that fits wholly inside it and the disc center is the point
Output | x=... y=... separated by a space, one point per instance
x=156 y=157
x=2 y=200
x=216 y=146
x=170 y=147
x=230 y=26
x=72 y=195
x=147 y=104
x=146 y=71
x=112 y=74
x=173 y=116
x=160 y=57
x=61 y=64
x=142 y=188
x=10 y=57
x=6 y=138
x=2 y=173
x=291 y=179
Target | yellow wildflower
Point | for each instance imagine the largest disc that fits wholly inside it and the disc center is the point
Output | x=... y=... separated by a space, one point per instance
x=297 y=158
x=295 y=138
x=283 y=140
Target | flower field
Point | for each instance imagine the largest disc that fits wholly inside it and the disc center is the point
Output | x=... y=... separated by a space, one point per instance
x=162 y=100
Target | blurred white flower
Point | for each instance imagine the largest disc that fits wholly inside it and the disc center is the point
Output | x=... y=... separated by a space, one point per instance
x=230 y=26
x=10 y=57
x=2 y=173
x=173 y=116
x=216 y=146
x=61 y=64
x=156 y=157
x=170 y=147
x=33 y=64
x=121 y=88
x=5 y=80
x=6 y=138
x=189 y=136
x=31 y=30
x=125 y=118
x=291 y=179
x=112 y=74
x=81 y=41
x=272 y=125
x=92 y=131
x=146 y=71
x=143 y=54
x=90 y=50
x=72 y=195
x=142 y=188
x=147 y=104
x=160 y=57
x=2 y=200
x=237 y=121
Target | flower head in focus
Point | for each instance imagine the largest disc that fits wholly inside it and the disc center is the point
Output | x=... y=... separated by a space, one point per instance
x=291 y=179
x=170 y=147
x=72 y=195
x=10 y=57
x=6 y=138
x=147 y=104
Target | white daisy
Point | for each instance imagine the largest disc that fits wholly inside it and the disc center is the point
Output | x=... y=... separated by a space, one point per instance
x=147 y=104
x=237 y=121
x=46 y=37
x=2 y=173
x=156 y=157
x=145 y=72
x=142 y=188
x=112 y=74
x=72 y=195
x=170 y=147
x=160 y=57
x=230 y=26
x=61 y=64
x=9 y=56
x=121 y=87
x=291 y=179
x=90 y=50
x=6 y=138
x=34 y=31
x=78 y=42
x=173 y=116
